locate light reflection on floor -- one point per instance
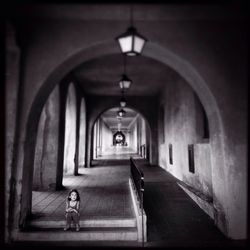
(119, 152)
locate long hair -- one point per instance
(77, 195)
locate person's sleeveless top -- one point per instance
(72, 206)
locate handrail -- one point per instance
(138, 179)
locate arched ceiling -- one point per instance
(111, 120)
(121, 11)
(101, 76)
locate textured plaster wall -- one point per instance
(134, 136)
(107, 137)
(183, 126)
(102, 138)
(45, 165)
(70, 132)
(219, 55)
(137, 136)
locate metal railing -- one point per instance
(138, 179)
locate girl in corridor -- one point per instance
(72, 209)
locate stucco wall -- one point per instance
(107, 137)
(183, 126)
(134, 136)
(45, 164)
(82, 134)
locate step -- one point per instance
(86, 223)
(85, 234)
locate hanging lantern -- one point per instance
(131, 42)
(123, 102)
(125, 82)
(121, 112)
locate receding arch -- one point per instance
(155, 51)
(104, 109)
(142, 113)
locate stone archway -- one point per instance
(160, 54)
(101, 108)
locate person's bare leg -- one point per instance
(68, 221)
(76, 221)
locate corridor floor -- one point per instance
(173, 219)
(118, 153)
(104, 192)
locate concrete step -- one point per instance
(85, 234)
(103, 222)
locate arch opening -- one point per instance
(153, 51)
(116, 137)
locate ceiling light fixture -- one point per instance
(121, 112)
(131, 42)
(123, 101)
(125, 82)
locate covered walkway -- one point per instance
(77, 105)
(173, 219)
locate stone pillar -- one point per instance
(82, 134)
(147, 142)
(78, 107)
(70, 131)
(154, 147)
(61, 133)
(46, 155)
(11, 109)
(89, 143)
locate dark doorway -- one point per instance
(119, 138)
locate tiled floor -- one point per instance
(104, 191)
(118, 152)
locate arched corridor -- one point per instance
(121, 137)
(81, 114)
